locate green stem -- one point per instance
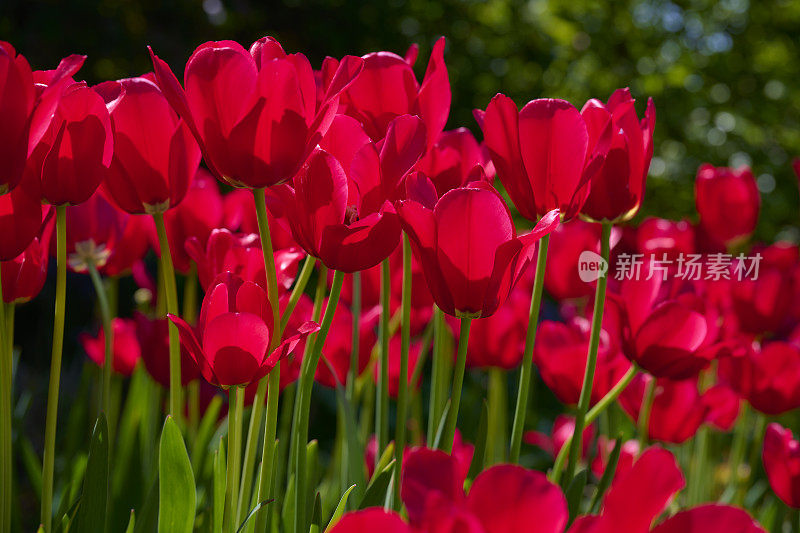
(591, 416)
(698, 476)
(402, 388)
(591, 359)
(256, 416)
(438, 376)
(526, 373)
(305, 384)
(298, 289)
(268, 474)
(235, 406)
(46, 516)
(190, 296)
(496, 432)
(108, 336)
(642, 424)
(458, 382)
(171, 293)
(382, 390)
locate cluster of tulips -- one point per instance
(342, 237)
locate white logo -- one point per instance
(591, 266)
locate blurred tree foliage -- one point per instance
(722, 74)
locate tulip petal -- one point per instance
(710, 518)
(509, 498)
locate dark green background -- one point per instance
(723, 74)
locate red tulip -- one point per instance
(567, 242)
(617, 189)
(369, 520)
(651, 482)
(100, 234)
(71, 142)
(92, 231)
(239, 209)
(665, 334)
(665, 240)
(23, 276)
(560, 355)
(502, 499)
(469, 249)
(451, 162)
(241, 255)
(234, 335)
(340, 210)
(153, 337)
(762, 304)
(253, 113)
(126, 350)
(710, 518)
(679, 408)
(17, 97)
(155, 156)
(21, 215)
(563, 429)
(388, 88)
(545, 154)
(196, 216)
(781, 456)
(768, 376)
(136, 234)
(727, 201)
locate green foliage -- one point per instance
(176, 506)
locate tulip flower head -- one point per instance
(387, 88)
(340, 208)
(71, 142)
(155, 156)
(545, 154)
(254, 114)
(126, 351)
(17, 97)
(232, 338)
(728, 202)
(466, 242)
(617, 189)
(781, 456)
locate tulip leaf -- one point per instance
(608, 475)
(312, 469)
(316, 513)
(148, 515)
(91, 514)
(383, 461)
(252, 513)
(574, 493)
(478, 456)
(376, 491)
(440, 427)
(287, 516)
(220, 480)
(176, 507)
(131, 523)
(340, 508)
